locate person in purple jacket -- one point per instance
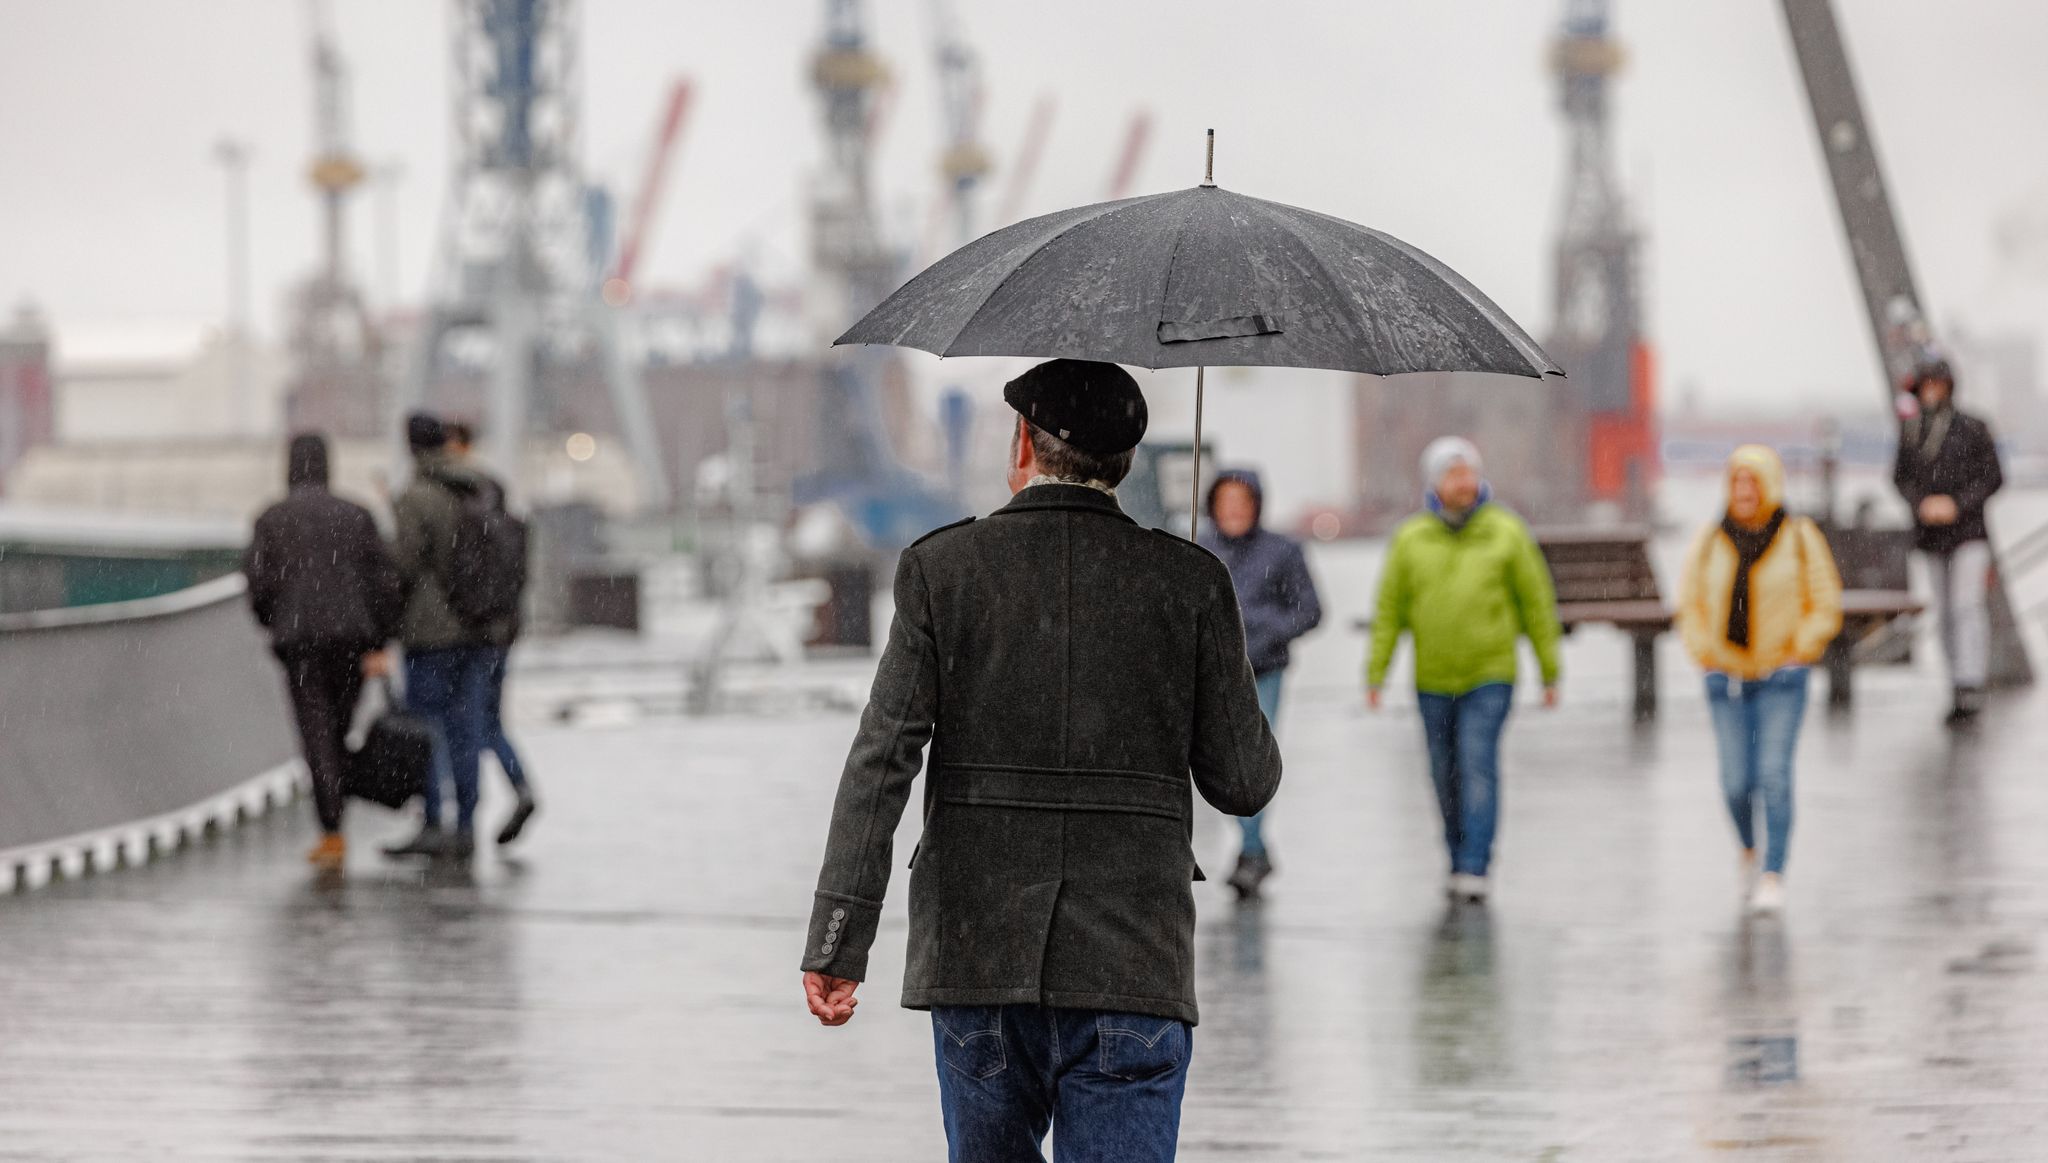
(1278, 599)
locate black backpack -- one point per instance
(487, 560)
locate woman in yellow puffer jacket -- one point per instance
(1758, 603)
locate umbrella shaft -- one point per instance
(1195, 490)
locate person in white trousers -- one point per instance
(1947, 469)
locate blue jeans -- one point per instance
(495, 740)
(1269, 702)
(1108, 1085)
(1464, 732)
(450, 689)
(1756, 723)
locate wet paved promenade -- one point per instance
(626, 988)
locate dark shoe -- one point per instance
(1250, 873)
(431, 841)
(520, 815)
(1969, 701)
(459, 846)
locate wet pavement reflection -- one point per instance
(625, 988)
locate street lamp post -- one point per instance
(233, 156)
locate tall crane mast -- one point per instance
(338, 382)
(1597, 330)
(1891, 302)
(963, 162)
(518, 265)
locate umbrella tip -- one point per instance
(1209, 167)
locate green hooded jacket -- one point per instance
(425, 515)
(1465, 595)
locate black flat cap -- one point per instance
(1096, 407)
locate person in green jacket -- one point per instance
(1465, 580)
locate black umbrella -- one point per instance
(1203, 278)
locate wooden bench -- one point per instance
(1864, 614)
(1604, 575)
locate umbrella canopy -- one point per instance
(1203, 277)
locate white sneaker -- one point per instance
(1769, 896)
(1467, 887)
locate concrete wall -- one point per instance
(127, 727)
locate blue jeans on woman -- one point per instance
(1108, 1085)
(1268, 685)
(1756, 724)
(1464, 761)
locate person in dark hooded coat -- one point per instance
(1947, 469)
(1278, 600)
(322, 583)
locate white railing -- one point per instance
(130, 728)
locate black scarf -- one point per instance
(1749, 546)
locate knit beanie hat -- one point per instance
(1442, 453)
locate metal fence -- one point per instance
(129, 728)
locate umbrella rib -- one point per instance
(1108, 209)
(1166, 284)
(1272, 211)
(1539, 361)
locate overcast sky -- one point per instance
(1435, 121)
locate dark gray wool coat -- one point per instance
(1071, 671)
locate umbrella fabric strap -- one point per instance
(1098, 486)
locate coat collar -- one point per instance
(1073, 498)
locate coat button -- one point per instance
(832, 927)
(826, 949)
(838, 914)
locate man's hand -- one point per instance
(830, 998)
(1938, 510)
(1372, 698)
(1549, 698)
(377, 664)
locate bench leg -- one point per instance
(1646, 677)
(1841, 664)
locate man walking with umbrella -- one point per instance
(1071, 671)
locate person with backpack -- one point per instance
(1759, 601)
(460, 444)
(1947, 468)
(322, 584)
(462, 560)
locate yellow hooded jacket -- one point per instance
(1795, 606)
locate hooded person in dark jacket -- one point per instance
(321, 582)
(448, 659)
(1947, 468)
(460, 445)
(1278, 600)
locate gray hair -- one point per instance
(1064, 462)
